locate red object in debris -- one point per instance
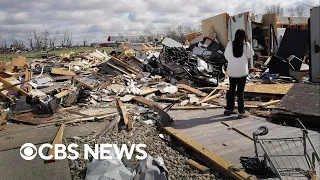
(109, 38)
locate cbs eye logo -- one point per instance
(28, 151)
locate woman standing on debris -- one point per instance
(238, 54)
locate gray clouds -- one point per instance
(97, 19)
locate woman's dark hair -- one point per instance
(237, 44)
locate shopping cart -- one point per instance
(289, 158)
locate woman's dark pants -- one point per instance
(238, 83)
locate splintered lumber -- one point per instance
(105, 84)
(212, 92)
(27, 78)
(218, 162)
(7, 97)
(197, 166)
(62, 94)
(238, 130)
(84, 83)
(129, 68)
(269, 103)
(12, 86)
(5, 66)
(209, 98)
(62, 72)
(146, 102)
(57, 140)
(123, 111)
(266, 114)
(277, 89)
(168, 99)
(130, 123)
(191, 89)
(118, 68)
(109, 127)
(194, 107)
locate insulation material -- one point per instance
(151, 168)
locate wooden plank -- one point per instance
(123, 111)
(84, 83)
(194, 107)
(128, 67)
(7, 97)
(218, 162)
(278, 89)
(62, 72)
(197, 166)
(219, 23)
(119, 69)
(27, 77)
(7, 83)
(168, 99)
(62, 94)
(18, 62)
(57, 140)
(105, 84)
(5, 66)
(130, 123)
(269, 103)
(212, 92)
(191, 89)
(148, 91)
(146, 102)
(210, 98)
(238, 130)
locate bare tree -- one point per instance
(66, 38)
(291, 11)
(300, 11)
(52, 39)
(45, 39)
(275, 8)
(84, 41)
(38, 43)
(29, 38)
(3, 42)
(17, 45)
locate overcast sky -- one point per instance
(97, 19)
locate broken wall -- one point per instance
(240, 21)
(219, 23)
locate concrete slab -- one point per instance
(13, 167)
(47, 134)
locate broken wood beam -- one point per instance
(194, 107)
(197, 166)
(123, 111)
(193, 90)
(84, 83)
(269, 103)
(129, 68)
(238, 131)
(7, 97)
(118, 68)
(12, 86)
(217, 161)
(57, 140)
(109, 127)
(266, 114)
(62, 94)
(146, 102)
(168, 99)
(206, 99)
(105, 84)
(62, 72)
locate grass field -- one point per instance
(32, 55)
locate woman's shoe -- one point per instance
(241, 116)
(228, 112)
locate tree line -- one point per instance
(298, 11)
